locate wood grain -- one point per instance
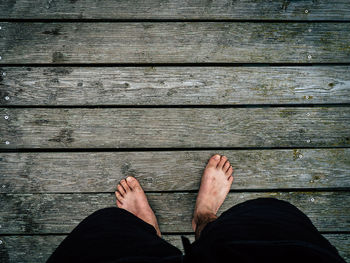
(342, 244)
(38, 248)
(179, 9)
(171, 171)
(37, 213)
(174, 127)
(182, 42)
(174, 85)
(36, 187)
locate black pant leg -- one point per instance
(263, 230)
(113, 234)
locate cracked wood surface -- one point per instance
(36, 186)
(179, 9)
(174, 85)
(37, 213)
(174, 127)
(169, 42)
(171, 170)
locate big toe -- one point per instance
(214, 160)
(133, 183)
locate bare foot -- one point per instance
(215, 185)
(131, 197)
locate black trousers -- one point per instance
(259, 230)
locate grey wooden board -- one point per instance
(37, 213)
(182, 42)
(39, 248)
(180, 9)
(342, 243)
(28, 249)
(174, 127)
(174, 85)
(174, 170)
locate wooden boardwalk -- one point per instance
(93, 91)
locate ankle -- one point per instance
(200, 220)
(203, 209)
(158, 232)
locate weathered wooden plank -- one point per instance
(37, 213)
(183, 42)
(28, 248)
(342, 244)
(174, 127)
(178, 170)
(39, 248)
(174, 85)
(180, 9)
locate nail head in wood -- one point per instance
(7, 97)
(6, 117)
(7, 142)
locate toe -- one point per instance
(119, 196)
(222, 162)
(226, 166)
(229, 171)
(119, 204)
(132, 183)
(213, 161)
(121, 189)
(230, 179)
(125, 185)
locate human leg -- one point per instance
(131, 197)
(116, 234)
(215, 184)
(263, 229)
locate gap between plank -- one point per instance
(272, 190)
(201, 64)
(159, 20)
(162, 149)
(163, 233)
(208, 106)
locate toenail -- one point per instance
(216, 157)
